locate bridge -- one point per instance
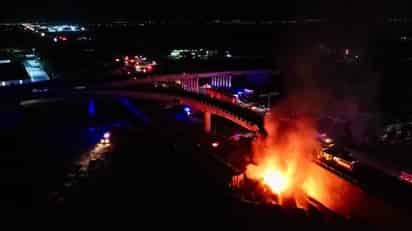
(190, 94)
(190, 81)
(241, 116)
(185, 92)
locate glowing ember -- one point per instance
(276, 181)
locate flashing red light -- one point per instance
(126, 58)
(149, 68)
(132, 60)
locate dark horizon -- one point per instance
(69, 10)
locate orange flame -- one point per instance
(275, 180)
(282, 158)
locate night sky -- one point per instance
(129, 10)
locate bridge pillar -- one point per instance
(208, 122)
(196, 85)
(183, 83)
(192, 85)
(227, 81)
(221, 81)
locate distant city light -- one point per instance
(178, 54)
(55, 39)
(117, 60)
(3, 83)
(215, 144)
(42, 34)
(347, 51)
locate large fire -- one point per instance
(282, 159)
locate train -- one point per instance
(338, 157)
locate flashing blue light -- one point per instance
(248, 90)
(239, 93)
(92, 108)
(187, 109)
(106, 135)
